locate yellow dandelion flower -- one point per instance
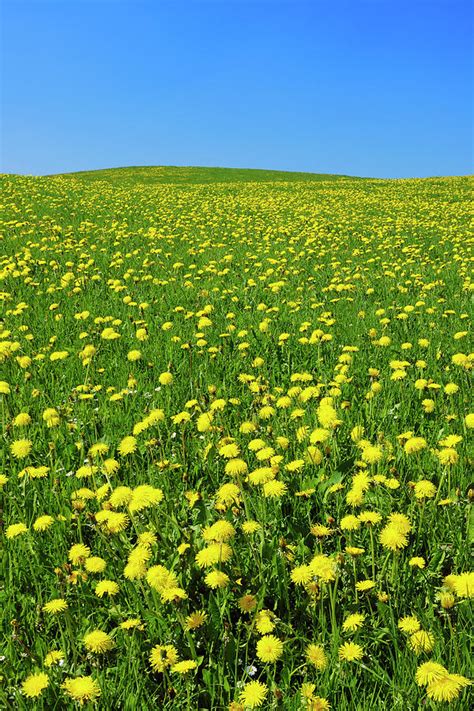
(274, 489)
(183, 667)
(353, 622)
(429, 672)
(98, 642)
(253, 694)
(53, 657)
(447, 687)
(128, 445)
(21, 448)
(316, 656)
(106, 587)
(16, 529)
(216, 579)
(264, 622)
(350, 652)
(54, 607)
(35, 684)
(421, 641)
(269, 648)
(195, 620)
(78, 553)
(82, 689)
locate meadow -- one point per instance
(237, 441)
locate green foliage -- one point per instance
(326, 316)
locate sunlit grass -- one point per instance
(236, 453)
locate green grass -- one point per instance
(171, 175)
(250, 287)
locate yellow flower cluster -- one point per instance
(237, 421)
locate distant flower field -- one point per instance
(237, 442)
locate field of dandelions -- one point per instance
(236, 451)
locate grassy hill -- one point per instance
(197, 175)
(236, 456)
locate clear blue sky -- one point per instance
(361, 87)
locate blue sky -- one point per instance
(377, 88)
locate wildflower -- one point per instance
(144, 496)
(78, 553)
(365, 585)
(21, 448)
(111, 466)
(95, 564)
(121, 496)
(446, 687)
(274, 489)
(417, 562)
(253, 694)
(394, 535)
(371, 454)
(133, 356)
(229, 451)
(319, 703)
(234, 467)
(108, 334)
(51, 417)
(53, 657)
(98, 642)
(316, 656)
(249, 527)
(321, 531)
(421, 641)
(81, 688)
(463, 585)
(450, 441)
(183, 667)
(212, 554)
(448, 456)
(447, 600)
(424, 489)
(147, 538)
(323, 567)
(350, 523)
(269, 648)
(409, 624)
(414, 445)
(350, 652)
(354, 551)
(429, 672)
(35, 684)
(353, 622)
(22, 420)
(54, 607)
(370, 517)
(42, 523)
(228, 494)
(106, 587)
(131, 623)
(163, 656)
(166, 378)
(302, 575)
(216, 579)
(195, 620)
(264, 622)
(247, 603)
(15, 529)
(204, 421)
(128, 445)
